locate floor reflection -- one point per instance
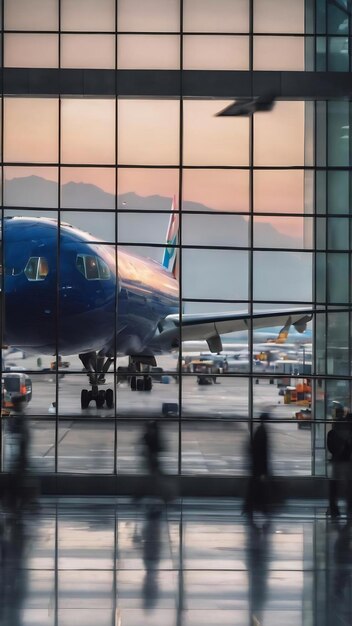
(112, 561)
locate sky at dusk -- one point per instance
(148, 134)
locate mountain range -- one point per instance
(206, 274)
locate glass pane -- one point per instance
(210, 274)
(215, 190)
(147, 189)
(212, 447)
(148, 52)
(320, 234)
(88, 51)
(338, 133)
(271, 272)
(338, 54)
(337, 355)
(279, 191)
(338, 233)
(95, 226)
(25, 50)
(148, 132)
(87, 188)
(337, 277)
(338, 192)
(215, 230)
(131, 457)
(31, 130)
(288, 399)
(289, 16)
(148, 15)
(266, 57)
(88, 131)
(143, 228)
(31, 14)
(209, 52)
(283, 131)
(92, 15)
(31, 187)
(210, 140)
(283, 232)
(220, 16)
(337, 21)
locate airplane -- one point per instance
(64, 294)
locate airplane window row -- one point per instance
(92, 267)
(37, 268)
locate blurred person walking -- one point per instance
(339, 444)
(259, 460)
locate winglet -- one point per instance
(170, 257)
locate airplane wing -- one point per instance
(210, 327)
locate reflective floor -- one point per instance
(113, 562)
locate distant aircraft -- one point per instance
(64, 294)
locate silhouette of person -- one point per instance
(152, 546)
(339, 444)
(18, 432)
(153, 445)
(257, 496)
(257, 558)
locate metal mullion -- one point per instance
(58, 249)
(180, 249)
(116, 251)
(2, 311)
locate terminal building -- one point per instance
(109, 121)
(210, 138)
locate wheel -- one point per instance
(109, 398)
(140, 384)
(100, 399)
(85, 398)
(133, 383)
(148, 383)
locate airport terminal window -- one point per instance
(92, 267)
(36, 269)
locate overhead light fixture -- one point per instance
(248, 106)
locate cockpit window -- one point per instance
(37, 268)
(92, 267)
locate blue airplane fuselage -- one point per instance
(70, 306)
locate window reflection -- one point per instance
(279, 191)
(210, 140)
(31, 187)
(148, 52)
(88, 131)
(283, 130)
(88, 51)
(289, 16)
(291, 55)
(211, 274)
(148, 15)
(148, 132)
(31, 130)
(221, 16)
(203, 52)
(215, 190)
(31, 14)
(29, 50)
(89, 15)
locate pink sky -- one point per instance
(148, 134)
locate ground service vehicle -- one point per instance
(16, 385)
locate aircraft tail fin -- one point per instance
(171, 251)
(283, 334)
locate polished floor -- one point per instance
(115, 562)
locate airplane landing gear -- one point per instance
(96, 366)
